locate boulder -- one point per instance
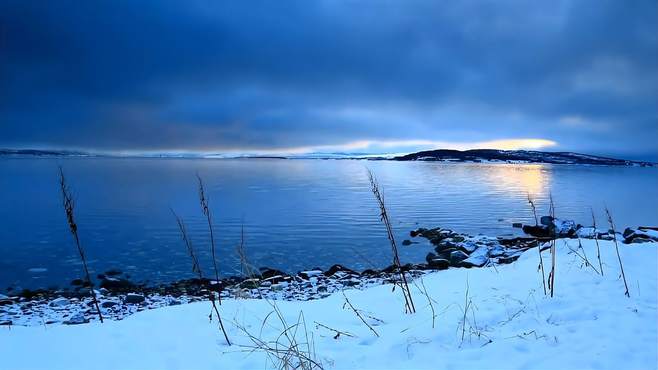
(267, 272)
(406, 242)
(438, 263)
(456, 257)
(133, 298)
(336, 268)
(59, 302)
(76, 319)
(114, 284)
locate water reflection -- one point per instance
(297, 213)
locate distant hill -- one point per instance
(516, 156)
(43, 153)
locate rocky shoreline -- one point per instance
(119, 297)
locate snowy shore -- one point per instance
(510, 324)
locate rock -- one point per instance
(640, 235)
(114, 284)
(108, 304)
(517, 225)
(6, 301)
(132, 298)
(456, 257)
(406, 242)
(76, 319)
(478, 258)
(508, 259)
(113, 272)
(5, 322)
(77, 282)
(59, 302)
(537, 231)
(563, 228)
(438, 263)
(308, 274)
(267, 272)
(336, 268)
(250, 284)
(546, 220)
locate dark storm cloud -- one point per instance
(260, 75)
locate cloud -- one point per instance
(202, 75)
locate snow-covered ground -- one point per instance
(510, 324)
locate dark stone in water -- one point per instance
(406, 242)
(517, 225)
(267, 272)
(335, 268)
(117, 284)
(113, 272)
(537, 231)
(77, 282)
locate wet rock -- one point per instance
(6, 301)
(59, 302)
(436, 262)
(517, 225)
(5, 322)
(406, 242)
(267, 272)
(456, 257)
(132, 298)
(76, 319)
(546, 220)
(114, 284)
(250, 284)
(113, 272)
(311, 273)
(108, 304)
(77, 282)
(338, 268)
(537, 231)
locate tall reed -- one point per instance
(541, 260)
(551, 275)
(203, 200)
(374, 186)
(69, 205)
(596, 240)
(614, 238)
(196, 268)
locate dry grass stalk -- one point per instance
(541, 260)
(196, 268)
(408, 300)
(358, 314)
(338, 332)
(551, 275)
(286, 351)
(69, 206)
(203, 200)
(614, 238)
(596, 239)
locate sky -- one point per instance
(330, 76)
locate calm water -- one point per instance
(297, 214)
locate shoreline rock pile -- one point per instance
(120, 297)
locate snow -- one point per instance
(511, 324)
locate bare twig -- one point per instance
(614, 238)
(359, 315)
(203, 200)
(551, 275)
(541, 260)
(374, 185)
(69, 205)
(596, 239)
(196, 268)
(338, 332)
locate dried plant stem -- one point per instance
(359, 315)
(69, 206)
(541, 260)
(196, 268)
(614, 238)
(551, 275)
(203, 200)
(596, 239)
(374, 185)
